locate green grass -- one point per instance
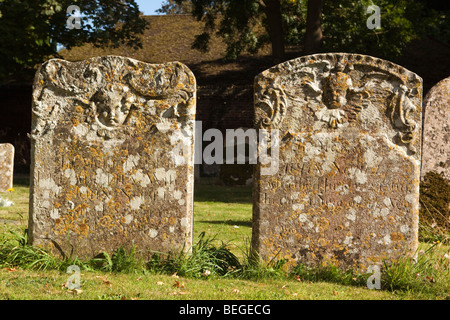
(224, 212)
(218, 268)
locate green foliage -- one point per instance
(32, 30)
(204, 259)
(175, 7)
(14, 251)
(244, 28)
(429, 271)
(243, 25)
(344, 27)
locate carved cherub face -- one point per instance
(113, 104)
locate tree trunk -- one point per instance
(313, 37)
(273, 12)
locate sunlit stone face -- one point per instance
(113, 104)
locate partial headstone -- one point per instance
(6, 166)
(347, 187)
(112, 156)
(436, 130)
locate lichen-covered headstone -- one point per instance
(347, 187)
(6, 166)
(436, 130)
(112, 156)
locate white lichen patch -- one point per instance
(136, 202)
(177, 194)
(357, 175)
(80, 129)
(168, 176)
(161, 192)
(411, 198)
(343, 190)
(404, 229)
(371, 159)
(387, 202)
(184, 222)
(348, 240)
(303, 217)
(50, 185)
(385, 240)
(153, 233)
(142, 178)
(131, 162)
(351, 214)
(54, 214)
(128, 218)
(83, 190)
(70, 174)
(384, 212)
(103, 179)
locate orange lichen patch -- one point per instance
(322, 242)
(84, 229)
(396, 236)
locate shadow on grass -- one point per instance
(229, 222)
(220, 193)
(21, 179)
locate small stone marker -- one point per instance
(112, 156)
(436, 130)
(6, 166)
(347, 188)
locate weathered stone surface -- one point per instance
(436, 130)
(347, 187)
(6, 166)
(112, 156)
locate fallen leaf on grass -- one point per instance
(104, 280)
(75, 291)
(11, 269)
(206, 273)
(177, 284)
(159, 283)
(335, 292)
(235, 291)
(177, 293)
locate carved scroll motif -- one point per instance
(95, 90)
(274, 103)
(400, 109)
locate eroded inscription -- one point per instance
(104, 171)
(346, 192)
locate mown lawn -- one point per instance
(223, 213)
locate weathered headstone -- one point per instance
(112, 156)
(347, 187)
(436, 130)
(6, 166)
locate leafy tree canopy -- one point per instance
(32, 30)
(246, 26)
